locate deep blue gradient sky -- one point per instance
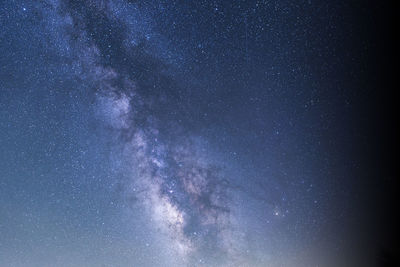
(191, 133)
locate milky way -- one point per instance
(185, 194)
(192, 133)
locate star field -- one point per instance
(186, 133)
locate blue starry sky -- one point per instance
(189, 133)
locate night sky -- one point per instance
(196, 133)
